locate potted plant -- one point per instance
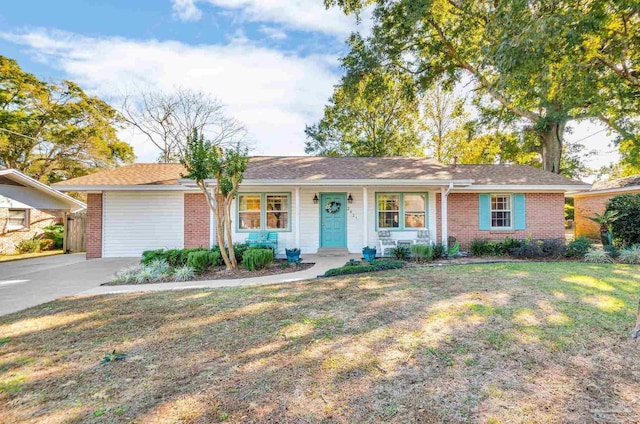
(605, 220)
(293, 255)
(369, 253)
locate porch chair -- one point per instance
(386, 242)
(423, 237)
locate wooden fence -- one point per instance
(75, 232)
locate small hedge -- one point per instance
(378, 265)
(254, 259)
(202, 260)
(178, 257)
(28, 246)
(626, 227)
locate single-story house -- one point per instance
(27, 206)
(318, 203)
(588, 203)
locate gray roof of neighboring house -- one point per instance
(625, 182)
(310, 168)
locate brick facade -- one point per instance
(38, 220)
(94, 226)
(588, 206)
(545, 218)
(197, 221)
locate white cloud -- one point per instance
(273, 33)
(274, 93)
(186, 10)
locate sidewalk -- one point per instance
(322, 264)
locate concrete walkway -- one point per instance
(322, 264)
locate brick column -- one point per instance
(196, 221)
(94, 226)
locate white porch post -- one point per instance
(296, 222)
(365, 216)
(443, 213)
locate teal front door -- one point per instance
(333, 220)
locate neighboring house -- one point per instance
(27, 206)
(588, 203)
(324, 203)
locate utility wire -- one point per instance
(591, 135)
(21, 135)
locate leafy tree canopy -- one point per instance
(55, 131)
(540, 62)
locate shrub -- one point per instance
(175, 257)
(626, 227)
(28, 246)
(598, 256)
(378, 265)
(401, 253)
(201, 260)
(630, 255)
(184, 273)
(160, 268)
(146, 274)
(440, 251)
(127, 275)
(46, 244)
(539, 249)
(422, 252)
(612, 251)
(254, 259)
(55, 233)
(239, 249)
(150, 255)
(481, 247)
(578, 247)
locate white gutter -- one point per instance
(444, 207)
(99, 188)
(608, 191)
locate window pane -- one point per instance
(501, 203)
(389, 202)
(414, 202)
(249, 220)
(277, 220)
(17, 219)
(249, 202)
(500, 219)
(388, 220)
(278, 203)
(414, 220)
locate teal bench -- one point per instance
(263, 238)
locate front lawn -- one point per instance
(516, 342)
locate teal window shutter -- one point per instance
(484, 212)
(519, 212)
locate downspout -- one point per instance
(444, 213)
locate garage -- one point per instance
(136, 221)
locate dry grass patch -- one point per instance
(517, 342)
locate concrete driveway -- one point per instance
(30, 282)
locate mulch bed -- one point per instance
(278, 267)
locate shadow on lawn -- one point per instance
(513, 342)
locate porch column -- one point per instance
(296, 222)
(443, 213)
(365, 216)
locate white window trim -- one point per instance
(18, 227)
(510, 210)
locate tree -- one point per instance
(207, 160)
(527, 57)
(444, 122)
(55, 131)
(168, 119)
(373, 115)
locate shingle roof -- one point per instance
(309, 168)
(633, 180)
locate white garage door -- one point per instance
(137, 221)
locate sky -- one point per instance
(273, 63)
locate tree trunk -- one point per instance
(227, 223)
(220, 217)
(552, 140)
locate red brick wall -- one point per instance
(588, 206)
(196, 221)
(545, 218)
(94, 225)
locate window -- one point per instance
(415, 206)
(402, 210)
(277, 211)
(18, 219)
(501, 211)
(264, 211)
(389, 211)
(249, 211)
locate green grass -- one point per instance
(514, 342)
